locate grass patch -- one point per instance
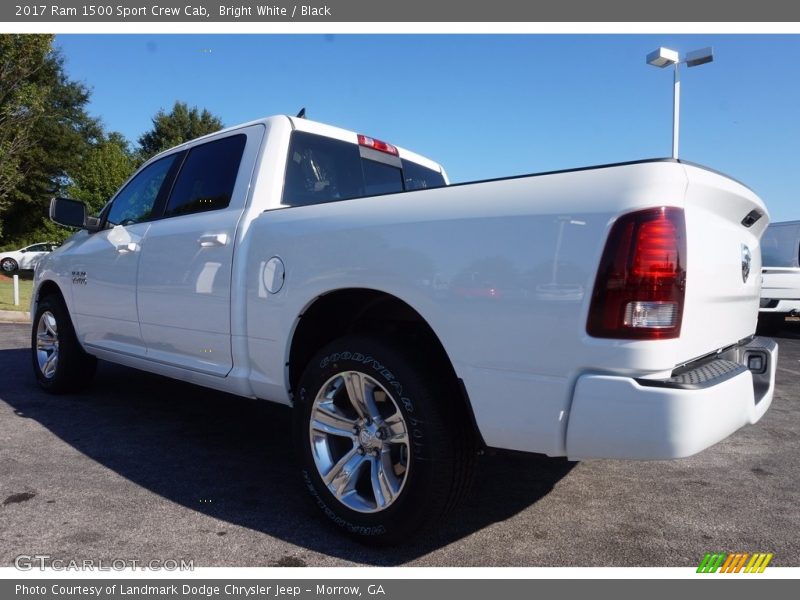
(7, 291)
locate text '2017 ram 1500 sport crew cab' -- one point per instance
(600, 312)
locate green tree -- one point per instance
(22, 102)
(59, 138)
(104, 169)
(180, 125)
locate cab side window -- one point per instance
(135, 202)
(207, 177)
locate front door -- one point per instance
(104, 265)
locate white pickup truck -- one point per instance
(598, 312)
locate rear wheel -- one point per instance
(59, 362)
(383, 451)
(8, 265)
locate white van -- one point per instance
(780, 287)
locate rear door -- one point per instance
(184, 279)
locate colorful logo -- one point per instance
(743, 562)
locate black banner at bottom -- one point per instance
(394, 589)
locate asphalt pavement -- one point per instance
(139, 467)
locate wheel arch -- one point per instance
(372, 312)
(48, 287)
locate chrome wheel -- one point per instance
(9, 265)
(359, 441)
(47, 344)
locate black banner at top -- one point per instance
(337, 11)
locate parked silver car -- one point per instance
(25, 258)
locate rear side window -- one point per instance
(321, 169)
(206, 180)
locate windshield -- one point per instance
(780, 245)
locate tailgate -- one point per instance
(724, 223)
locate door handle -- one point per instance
(213, 239)
(127, 248)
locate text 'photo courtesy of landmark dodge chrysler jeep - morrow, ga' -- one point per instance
(604, 312)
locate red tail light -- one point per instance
(640, 287)
(378, 145)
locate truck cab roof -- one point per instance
(315, 127)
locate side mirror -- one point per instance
(71, 213)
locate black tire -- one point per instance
(73, 368)
(439, 455)
(9, 265)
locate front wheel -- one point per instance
(8, 265)
(383, 450)
(59, 362)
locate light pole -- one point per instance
(664, 57)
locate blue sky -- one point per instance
(482, 105)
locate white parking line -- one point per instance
(789, 371)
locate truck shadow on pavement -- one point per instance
(789, 330)
(231, 458)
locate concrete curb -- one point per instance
(14, 316)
